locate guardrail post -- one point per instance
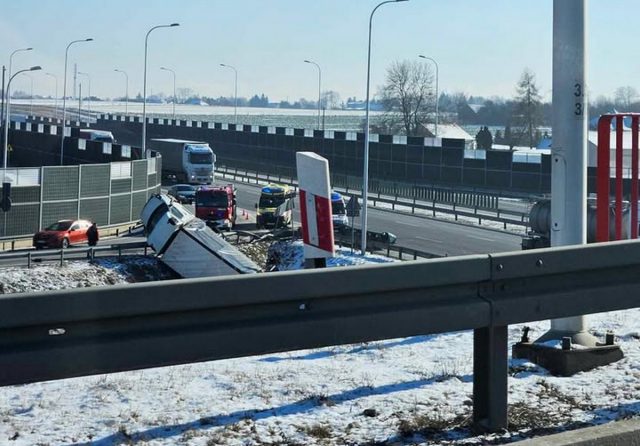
(490, 369)
(119, 253)
(413, 207)
(61, 256)
(455, 214)
(29, 260)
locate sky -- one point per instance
(482, 47)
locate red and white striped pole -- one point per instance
(315, 208)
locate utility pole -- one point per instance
(4, 100)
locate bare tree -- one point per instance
(625, 97)
(528, 106)
(330, 99)
(408, 97)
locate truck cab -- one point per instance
(216, 205)
(184, 160)
(274, 210)
(165, 216)
(338, 210)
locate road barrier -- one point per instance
(68, 333)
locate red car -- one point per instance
(62, 234)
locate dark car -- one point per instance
(62, 234)
(183, 193)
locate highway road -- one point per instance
(443, 238)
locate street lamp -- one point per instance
(365, 174)
(235, 94)
(6, 117)
(126, 90)
(5, 91)
(174, 89)
(55, 97)
(319, 84)
(89, 101)
(64, 95)
(144, 87)
(30, 94)
(437, 97)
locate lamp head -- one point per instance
(175, 24)
(222, 65)
(307, 61)
(28, 49)
(90, 39)
(36, 68)
(397, 1)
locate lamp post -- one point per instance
(365, 173)
(89, 79)
(5, 91)
(437, 97)
(30, 93)
(55, 97)
(319, 85)
(64, 95)
(144, 87)
(126, 90)
(235, 94)
(174, 89)
(6, 118)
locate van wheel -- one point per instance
(65, 243)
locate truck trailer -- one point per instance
(185, 161)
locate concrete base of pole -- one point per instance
(585, 353)
(560, 362)
(315, 263)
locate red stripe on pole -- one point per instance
(619, 162)
(603, 174)
(303, 216)
(634, 176)
(325, 223)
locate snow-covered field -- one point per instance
(407, 391)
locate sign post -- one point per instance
(315, 208)
(353, 210)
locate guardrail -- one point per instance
(69, 333)
(64, 254)
(460, 203)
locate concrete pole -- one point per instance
(569, 150)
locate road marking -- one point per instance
(486, 239)
(407, 224)
(428, 239)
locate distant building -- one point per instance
(450, 131)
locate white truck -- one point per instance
(187, 245)
(185, 161)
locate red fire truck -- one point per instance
(217, 206)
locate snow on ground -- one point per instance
(415, 390)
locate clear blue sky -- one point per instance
(482, 46)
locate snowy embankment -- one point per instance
(407, 391)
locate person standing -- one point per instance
(92, 234)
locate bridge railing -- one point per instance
(69, 333)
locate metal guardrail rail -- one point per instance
(69, 253)
(481, 206)
(62, 334)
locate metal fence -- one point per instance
(108, 194)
